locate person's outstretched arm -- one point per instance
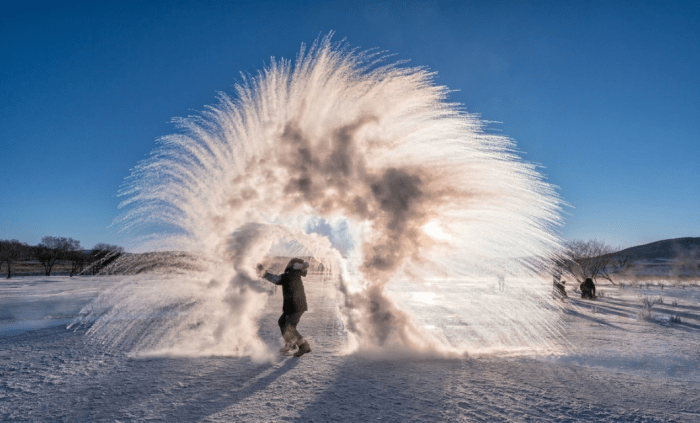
(276, 279)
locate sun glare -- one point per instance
(435, 230)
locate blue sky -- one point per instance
(605, 96)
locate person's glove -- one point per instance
(261, 270)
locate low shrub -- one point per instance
(647, 304)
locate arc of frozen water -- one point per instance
(342, 135)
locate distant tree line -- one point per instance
(52, 250)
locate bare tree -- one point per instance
(77, 259)
(11, 251)
(620, 263)
(47, 257)
(52, 248)
(102, 255)
(60, 243)
(586, 259)
(107, 248)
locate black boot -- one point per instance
(303, 349)
(287, 348)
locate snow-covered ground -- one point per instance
(618, 364)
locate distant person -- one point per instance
(294, 304)
(587, 289)
(560, 290)
(501, 283)
(556, 276)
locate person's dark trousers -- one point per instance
(288, 326)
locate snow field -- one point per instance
(612, 366)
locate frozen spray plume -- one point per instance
(428, 200)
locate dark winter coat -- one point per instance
(560, 290)
(587, 288)
(292, 291)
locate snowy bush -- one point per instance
(675, 319)
(647, 304)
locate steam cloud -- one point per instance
(343, 136)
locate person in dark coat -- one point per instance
(559, 286)
(560, 290)
(587, 289)
(294, 303)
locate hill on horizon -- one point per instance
(666, 249)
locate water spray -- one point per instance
(433, 210)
